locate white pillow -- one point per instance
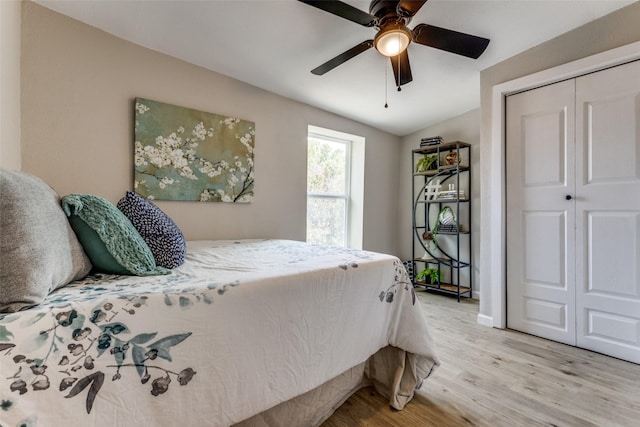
(39, 252)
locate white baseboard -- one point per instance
(485, 320)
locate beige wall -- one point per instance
(614, 30)
(10, 12)
(466, 128)
(78, 87)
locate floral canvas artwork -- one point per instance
(191, 155)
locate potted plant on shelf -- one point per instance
(430, 275)
(427, 163)
(445, 222)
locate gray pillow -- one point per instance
(39, 251)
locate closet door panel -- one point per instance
(540, 221)
(544, 139)
(608, 211)
(610, 135)
(618, 276)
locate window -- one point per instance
(328, 188)
(335, 187)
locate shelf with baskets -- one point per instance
(441, 186)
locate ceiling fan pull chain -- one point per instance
(386, 104)
(399, 74)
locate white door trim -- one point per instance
(494, 177)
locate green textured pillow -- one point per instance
(38, 250)
(108, 237)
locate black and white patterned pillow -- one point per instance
(161, 234)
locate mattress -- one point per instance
(239, 329)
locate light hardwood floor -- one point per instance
(492, 377)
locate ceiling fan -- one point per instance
(391, 19)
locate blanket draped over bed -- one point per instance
(240, 328)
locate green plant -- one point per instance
(434, 274)
(436, 226)
(426, 163)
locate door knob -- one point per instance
(568, 197)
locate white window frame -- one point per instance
(347, 191)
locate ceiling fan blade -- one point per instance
(449, 40)
(343, 57)
(401, 68)
(343, 10)
(409, 8)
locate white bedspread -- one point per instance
(239, 328)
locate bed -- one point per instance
(248, 332)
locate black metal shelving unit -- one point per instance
(446, 254)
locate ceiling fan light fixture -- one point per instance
(392, 40)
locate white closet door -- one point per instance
(540, 221)
(608, 211)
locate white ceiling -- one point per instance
(273, 44)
